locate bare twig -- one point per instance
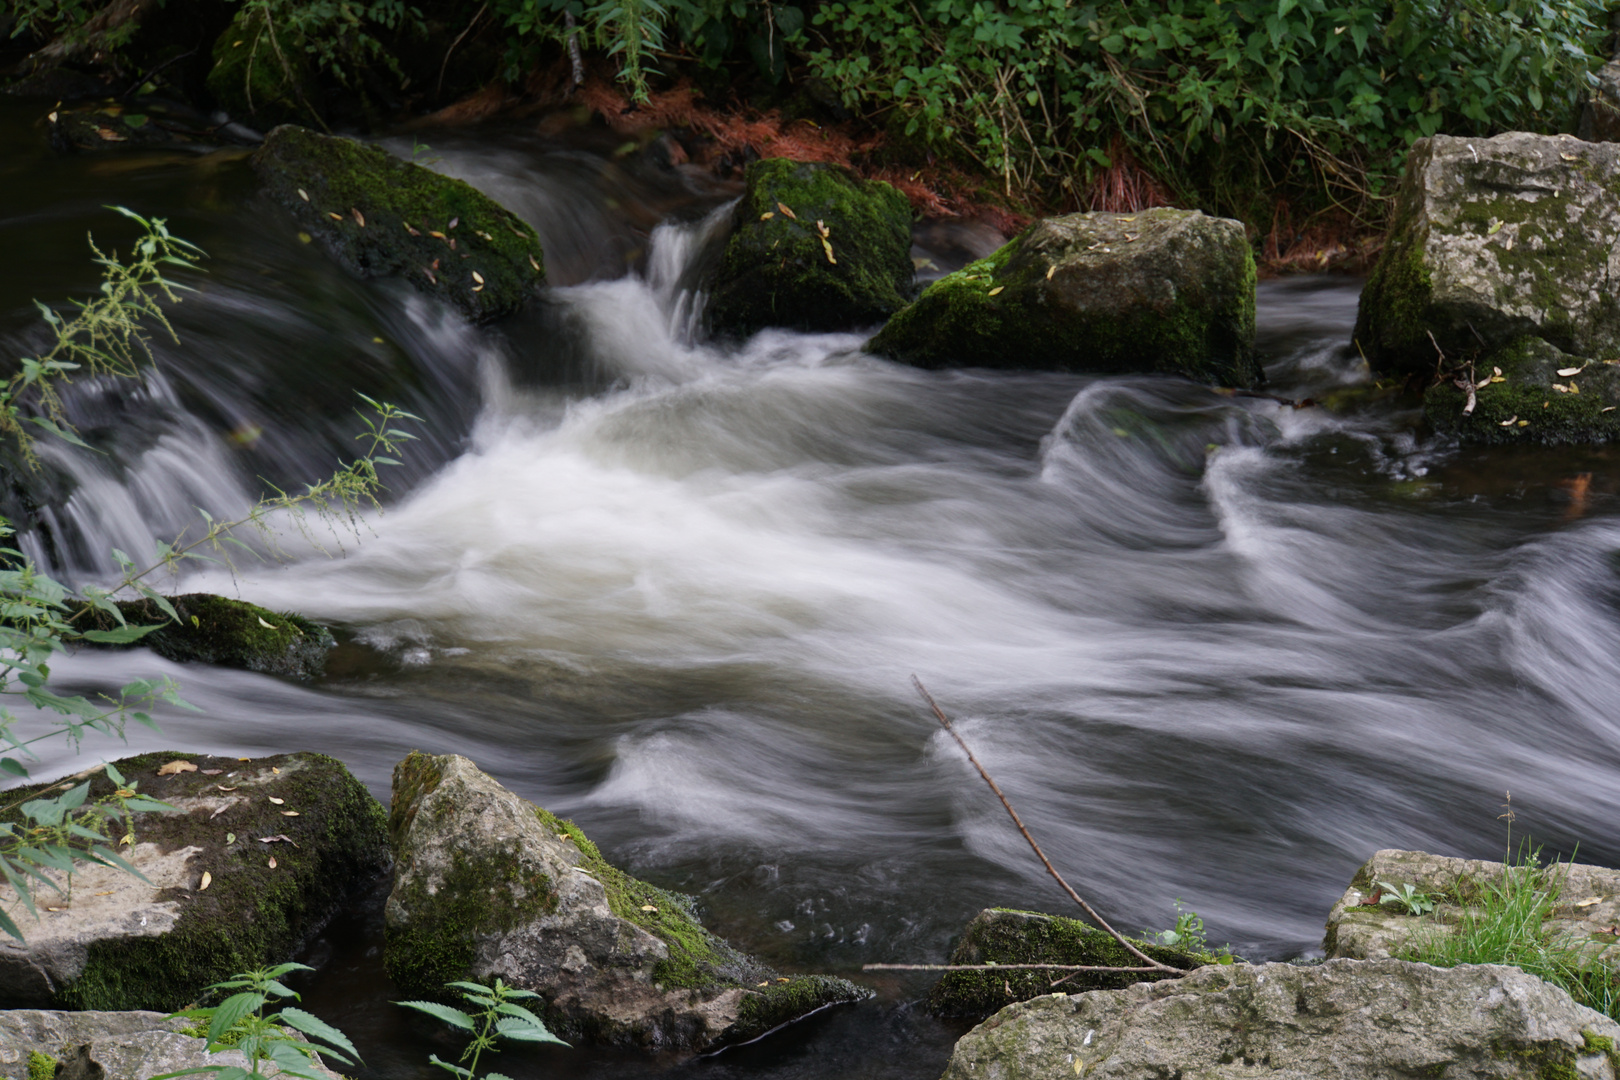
(443, 67)
(1091, 913)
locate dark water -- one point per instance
(1215, 648)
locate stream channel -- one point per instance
(1214, 648)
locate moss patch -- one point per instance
(1008, 936)
(775, 270)
(1064, 296)
(261, 77)
(251, 915)
(382, 216)
(1532, 403)
(233, 633)
(41, 1066)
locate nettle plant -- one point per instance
(44, 838)
(497, 1015)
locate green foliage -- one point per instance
(1407, 898)
(1504, 922)
(340, 36)
(498, 1016)
(240, 1023)
(1188, 935)
(1325, 95)
(41, 1066)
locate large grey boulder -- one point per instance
(1008, 936)
(490, 885)
(116, 942)
(1499, 270)
(122, 1045)
(1361, 929)
(381, 216)
(1161, 290)
(812, 247)
(1342, 1020)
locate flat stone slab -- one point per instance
(1341, 1020)
(123, 1045)
(116, 942)
(1587, 915)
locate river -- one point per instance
(1215, 649)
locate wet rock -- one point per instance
(232, 633)
(812, 247)
(1005, 936)
(1357, 930)
(1163, 290)
(117, 942)
(1501, 254)
(37, 1045)
(58, 84)
(381, 216)
(263, 77)
(490, 885)
(1342, 1020)
(1600, 116)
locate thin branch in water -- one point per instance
(1075, 968)
(1091, 913)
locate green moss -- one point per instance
(1009, 936)
(1525, 406)
(262, 78)
(41, 1066)
(775, 270)
(1393, 317)
(233, 633)
(251, 915)
(1005, 311)
(1549, 1060)
(379, 215)
(415, 778)
(477, 897)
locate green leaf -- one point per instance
(231, 1011)
(124, 635)
(523, 1031)
(320, 1029)
(453, 1017)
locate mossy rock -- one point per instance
(1490, 241)
(1529, 401)
(812, 247)
(381, 216)
(116, 942)
(231, 633)
(1009, 936)
(489, 885)
(262, 75)
(1161, 291)
(103, 127)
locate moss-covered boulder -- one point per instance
(1342, 1020)
(1163, 290)
(489, 885)
(219, 630)
(262, 74)
(1007, 936)
(1499, 271)
(812, 247)
(381, 216)
(259, 857)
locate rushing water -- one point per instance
(1215, 648)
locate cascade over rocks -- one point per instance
(381, 216)
(1006, 936)
(1364, 931)
(812, 247)
(231, 633)
(1342, 1020)
(1503, 254)
(105, 1046)
(1162, 290)
(490, 885)
(118, 942)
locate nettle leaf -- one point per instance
(454, 1017)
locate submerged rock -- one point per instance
(1005, 936)
(1501, 256)
(117, 942)
(1360, 930)
(38, 1045)
(1168, 291)
(382, 216)
(812, 247)
(262, 76)
(490, 885)
(233, 633)
(1342, 1020)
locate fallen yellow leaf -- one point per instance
(995, 290)
(648, 907)
(277, 801)
(275, 770)
(1509, 421)
(1566, 372)
(767, 215)
(207, 880)
(268, 626)
(107, 892)
(360, 219)
(289, 813)
(786, 212)
(302, 194)
(176, 766)
(334, 217)
(478, 277)
(1050, 270)
(1589, 901)
(272, 862)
